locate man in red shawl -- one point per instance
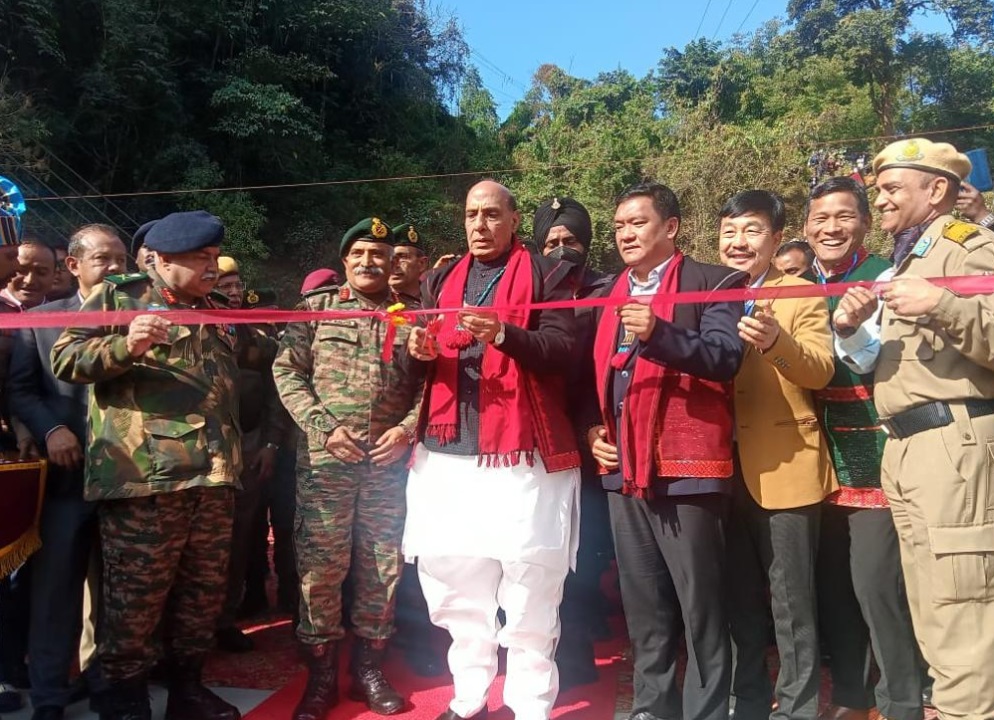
(662, 435)
(492, 495)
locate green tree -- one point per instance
(872, 39)
(476, 105)
(587, 140)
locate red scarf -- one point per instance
(506, 428)
(641, 407)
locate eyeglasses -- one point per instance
(232, 287)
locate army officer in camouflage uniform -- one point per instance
(357, 414)
(163, 458)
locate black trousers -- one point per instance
(15, 615)
(671, 565)
(862, 603)
(775, 549)
(277, 506)
(59, 568)
(584, 608)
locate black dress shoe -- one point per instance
(233, 640)
(425, 663)
(449, 715)
(48, 712)
(10, 698)
(642, 715)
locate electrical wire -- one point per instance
(742, 24)
(465, 173)
(721, 20)
(697, 32)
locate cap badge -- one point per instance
(252, 298)
(378, 229)
(556, 204)
(412, 234)
(911, 152)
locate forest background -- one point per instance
(109, 98)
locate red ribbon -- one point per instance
(961, 285)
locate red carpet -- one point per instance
(430, 697)
(272, 664)
(275, 665)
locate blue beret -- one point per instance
(139, 237)
(182, 232)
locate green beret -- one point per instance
(261, 297)
(372, 229)
(406, 236)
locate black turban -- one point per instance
(562, 211)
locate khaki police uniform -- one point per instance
(934, 389)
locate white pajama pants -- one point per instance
(463, 595)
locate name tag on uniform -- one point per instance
(922, 246)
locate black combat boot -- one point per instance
(189, 699)
(126, 700)
(368, 683)
(321, 693)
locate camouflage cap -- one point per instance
(924, 155)
(372, 229)
(226, 266)
(406, 236)
(261, 297)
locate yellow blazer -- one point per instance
(783, 452)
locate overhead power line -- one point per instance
(697, 32)
(442, 176)
(506, 77)
(742, 24)
(722, 19)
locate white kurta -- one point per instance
(456, 507)
(490, 537)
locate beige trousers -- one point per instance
(91, 610)
(940, 484)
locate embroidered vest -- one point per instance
(846, 409)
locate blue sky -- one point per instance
(510, 39)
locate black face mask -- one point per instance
(568, 254)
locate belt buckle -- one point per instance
(890, 429)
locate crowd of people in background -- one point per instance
(784, 468)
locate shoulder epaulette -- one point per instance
(126, 279)
(320, 290)
(959, 232)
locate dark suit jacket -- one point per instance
(543, 348)
(702, 340)
(547, 344)
(41, 401)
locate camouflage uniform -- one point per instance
(163, 456)
(330, 374)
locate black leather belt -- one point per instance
(930, 416)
